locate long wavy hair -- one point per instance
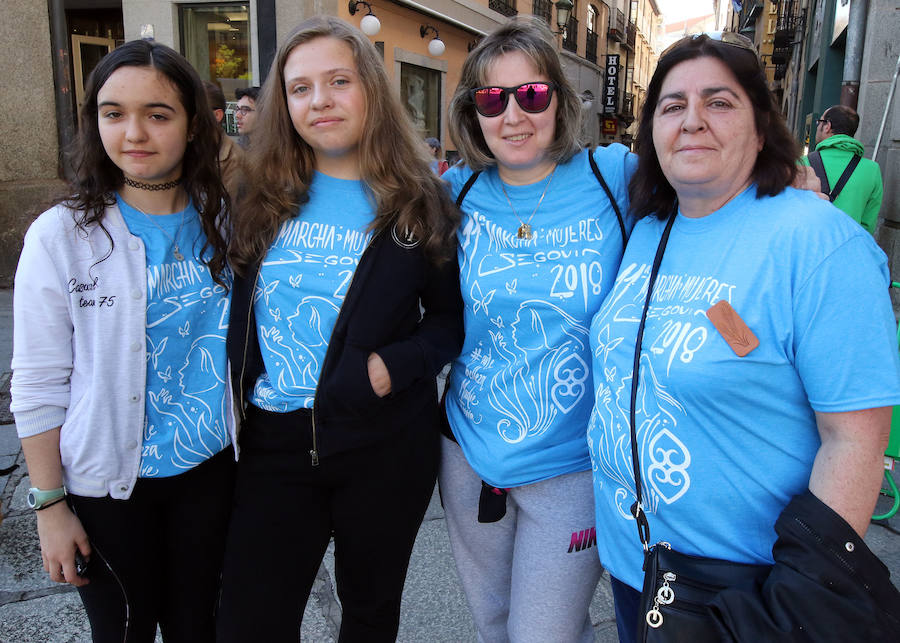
(97, 178)
(776, 164)
(393, 159)
(531, 37)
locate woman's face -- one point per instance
(142, 123)
(327, 104)
(705, 134)
(517, 139)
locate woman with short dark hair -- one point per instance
(758, 377)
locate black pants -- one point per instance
(157, 556)
(371, 500)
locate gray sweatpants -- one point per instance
(530, 576)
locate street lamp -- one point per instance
(370, 24)
(436, 45)
(563, 12)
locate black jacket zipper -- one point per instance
(314, 452)
(247, 343)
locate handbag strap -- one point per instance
(609, 195)
(637, 509)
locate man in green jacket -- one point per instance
(861, 195)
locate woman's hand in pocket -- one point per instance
(378, 375)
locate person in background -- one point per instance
(245, 112)
(438, 164)
(860, 196)
(539, 246)
(346, 307)
(759, 379)
(230, 153)
(119, 366)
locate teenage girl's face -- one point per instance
(143, 125)
(517, 139)
(327, 104)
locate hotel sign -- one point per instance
(611, 88)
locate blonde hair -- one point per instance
(393, 162)
(531, 37)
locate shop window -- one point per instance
(216, 39)
(420, 89)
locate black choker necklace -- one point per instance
(153, 187)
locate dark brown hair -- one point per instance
(393, 161)
(775, 165)
(843, 119)
(96, 177)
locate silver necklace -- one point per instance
(524, 231)
(176, 251)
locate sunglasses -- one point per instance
(533, 98)
(726, 37)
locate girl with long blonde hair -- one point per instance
(346, 307)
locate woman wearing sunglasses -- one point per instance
(539, 245)
(759, 380)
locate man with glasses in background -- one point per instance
(245, 112)
(851, 182)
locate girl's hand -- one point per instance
(378, 375)
(61, 534)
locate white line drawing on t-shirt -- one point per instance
(544, 374)
(299, 366)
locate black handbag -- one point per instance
(826, 585)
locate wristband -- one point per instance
(41, 498)
(49, 504)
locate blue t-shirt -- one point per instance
(519, 393)
(725, 441)
(187, 320)
(302, 284)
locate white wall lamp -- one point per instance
(436, 46)
(563, 12)
(370, 24)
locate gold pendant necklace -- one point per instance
(176, 251)
(524, 231)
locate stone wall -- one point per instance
(28, 140)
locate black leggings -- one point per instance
(371, 500)
(157, 556)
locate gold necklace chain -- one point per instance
(524, 231)
(176, 251)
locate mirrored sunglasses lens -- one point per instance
(490, 101)
(533, 97)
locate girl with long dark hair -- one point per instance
(119, 368)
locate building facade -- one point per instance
(829, 52)
(51, 47)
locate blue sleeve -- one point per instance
(844, 331)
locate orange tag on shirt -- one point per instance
(732, 328)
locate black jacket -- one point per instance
(826, 585)
(399, 305)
